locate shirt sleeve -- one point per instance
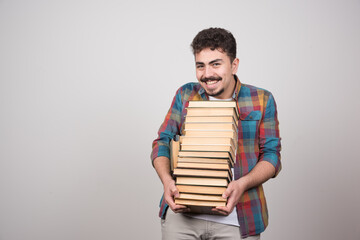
(269, 137)
(168, 129)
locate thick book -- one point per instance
(211, 119)
(200, 181)
(210, 141)
(210, 154)
(215, 148)
(211, 127)
(195, 112)
(201, 197)
(202, 160)
(174, 152)
(201, 189)
(207, 154)
(214, 104)
(188, 202)
(202, 173)
(202, 209)
(210, 133)
(209, 166)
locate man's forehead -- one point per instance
(207, 55)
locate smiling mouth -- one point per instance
(211, 80)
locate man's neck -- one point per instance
(211, 98)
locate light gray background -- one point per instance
(85, 85)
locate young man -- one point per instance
(258, 152)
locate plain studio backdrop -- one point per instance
(85, 85)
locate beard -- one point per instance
(213, 93)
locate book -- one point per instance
(218, 148)
(207, 155)
(211, 119)
(174, 152)
(205, 133)
(201, 197)
(199, 181)
(204, 160)
(203, 166)
(209, 166)
(210, 127)
(194, 112)
(203, 209)
(188, 202)
(213, 141)
(214, 104)
(202, 173)
(201, 189)
(200, 154)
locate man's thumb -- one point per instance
(226, 194)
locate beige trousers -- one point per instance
(177, 226)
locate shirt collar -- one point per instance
(237, 88)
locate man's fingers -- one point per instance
(174, 191)
(221, 210)
(228, 190)
(230, 203)
(170, 202)
(180, 208)
(169, 199)
(226, 193)
(174, 207)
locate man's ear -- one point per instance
(234, 66)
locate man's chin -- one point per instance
(214, 93)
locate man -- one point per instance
(258, 154)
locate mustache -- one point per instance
(210, 79)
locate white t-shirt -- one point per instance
(231, 219)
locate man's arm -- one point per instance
(161, 152)
(262, 172)
(162, 167)
(268, 165)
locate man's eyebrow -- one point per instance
(216, 60)
(211, 62)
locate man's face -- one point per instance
(215, 71)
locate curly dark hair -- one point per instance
(215, 38)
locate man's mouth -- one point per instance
(211, 80)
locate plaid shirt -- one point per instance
(258, 140)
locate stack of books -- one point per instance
(203, 156)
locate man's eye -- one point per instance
(216, 64)
(199, 66)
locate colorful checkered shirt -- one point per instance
(258, 139)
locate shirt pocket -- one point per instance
(249, 124)
(248, 136)
(250, 116)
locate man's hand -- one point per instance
(260, 174)
(171, 191)
(162, 166)
(233, 194)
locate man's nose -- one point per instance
(208, 72)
